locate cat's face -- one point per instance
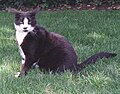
(24, 21)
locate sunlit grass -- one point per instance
(88, 31)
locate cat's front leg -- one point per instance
(24, 68)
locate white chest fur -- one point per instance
(20, 37)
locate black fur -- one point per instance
(54, 52)
(51, 51)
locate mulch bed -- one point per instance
(87, 7)
(75, 7)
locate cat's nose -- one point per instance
(25, 28)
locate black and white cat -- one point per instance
(50, 51)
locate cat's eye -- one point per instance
(21, 22)
(29, 22)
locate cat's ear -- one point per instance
(12, 10)
(34, 11)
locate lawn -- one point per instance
(88, 31)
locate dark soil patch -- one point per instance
(87, 7)
(75, 7)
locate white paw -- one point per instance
(17, 75)
(35, 65)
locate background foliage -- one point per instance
(53, 3)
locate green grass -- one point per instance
(88, 31)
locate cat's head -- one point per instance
(24, 21)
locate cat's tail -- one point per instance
(93, 59)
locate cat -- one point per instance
(49, 50)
